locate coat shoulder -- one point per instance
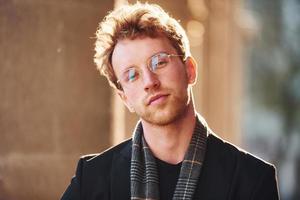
(239, 173)
(122, 149)
(242, 157)
(92, 179)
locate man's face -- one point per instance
(159, 96)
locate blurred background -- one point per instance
(54, 106)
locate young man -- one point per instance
(145, 55)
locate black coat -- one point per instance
(227, 173)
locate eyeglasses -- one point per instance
(154, 64)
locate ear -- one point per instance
(125, 100)
(191, 69)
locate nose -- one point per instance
(150, 80)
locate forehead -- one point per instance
(129, 52)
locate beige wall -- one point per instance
(54, 107)
(221, 78)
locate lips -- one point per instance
(156, 98)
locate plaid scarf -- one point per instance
(143, 172)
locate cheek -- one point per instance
(178, 78)
(134, 97)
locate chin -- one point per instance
(166, 115)
(162, 120)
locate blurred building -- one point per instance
(54, 106)
(271, 127)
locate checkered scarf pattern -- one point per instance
(143, 172)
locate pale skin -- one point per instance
(163, 101)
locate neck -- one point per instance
(170, 142)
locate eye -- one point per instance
(158, 61)
(132, 75)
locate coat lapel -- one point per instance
(219, 168)
(120, 173)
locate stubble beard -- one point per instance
(165, 114)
